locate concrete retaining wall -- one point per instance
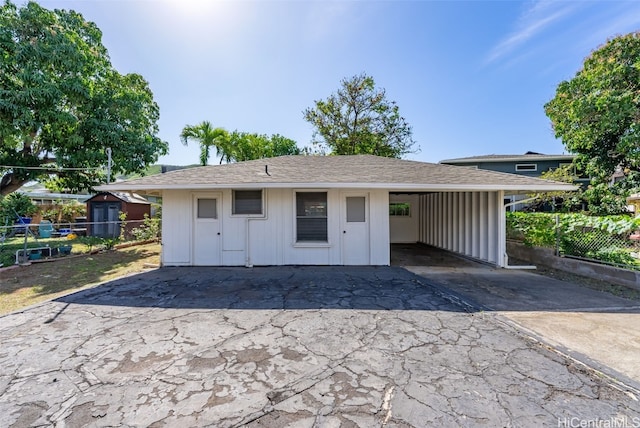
(546, 257)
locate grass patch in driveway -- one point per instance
(23, 286)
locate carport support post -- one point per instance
(502, 232)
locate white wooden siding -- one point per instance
(379, 223)
(469, 223)
(177, 227)
(270, 239)
(405, 229)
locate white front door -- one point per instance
(355, 229)
(207, 210)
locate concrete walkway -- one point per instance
(593, 326)
(285, 346)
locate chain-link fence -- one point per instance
(26, 240)
(599, 245)
(610, 241)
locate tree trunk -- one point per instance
(9, 184)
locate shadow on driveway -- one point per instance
(282, 287)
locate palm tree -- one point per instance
(206, 135)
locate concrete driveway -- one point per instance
(285, 346)
(597, 328)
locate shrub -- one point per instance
(614, 255)
(150, 229)
(16, 204)
(534, 229)
(599, 238)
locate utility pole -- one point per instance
(108, 165)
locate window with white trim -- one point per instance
(207, 208)
(526, 167)
(247, 202)
(311, 217)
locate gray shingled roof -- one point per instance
(508, 158)
(361, 171)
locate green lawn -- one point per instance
(25, 285)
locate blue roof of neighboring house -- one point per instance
(529, 156)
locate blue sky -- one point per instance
(470, 77)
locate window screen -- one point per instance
(207, 208)
(311, 216)
(356, 209)
(247, 201)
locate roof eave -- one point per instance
(551, 187)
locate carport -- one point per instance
(470, 223)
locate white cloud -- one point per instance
(533, 22)
(622, 18)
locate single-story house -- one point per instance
(329, 210)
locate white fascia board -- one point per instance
(552, 187)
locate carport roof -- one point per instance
(358, 171)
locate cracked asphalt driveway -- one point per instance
(285, 346)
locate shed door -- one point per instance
(207, 210)
(355, 229)
(105, 219)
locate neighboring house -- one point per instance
(329, 210)
(530, 164)
(47, 201)
(47, 198)
(633, 202)
(103, 213)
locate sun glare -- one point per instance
(197, 9)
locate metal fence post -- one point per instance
(557, 235)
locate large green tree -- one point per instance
(244, 146)
(358, 119)
(236, 146)
(597, 116)
(563, 201)
(62, 104)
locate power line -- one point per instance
(49, 168)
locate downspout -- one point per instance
(247, 257)
(504, 226)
